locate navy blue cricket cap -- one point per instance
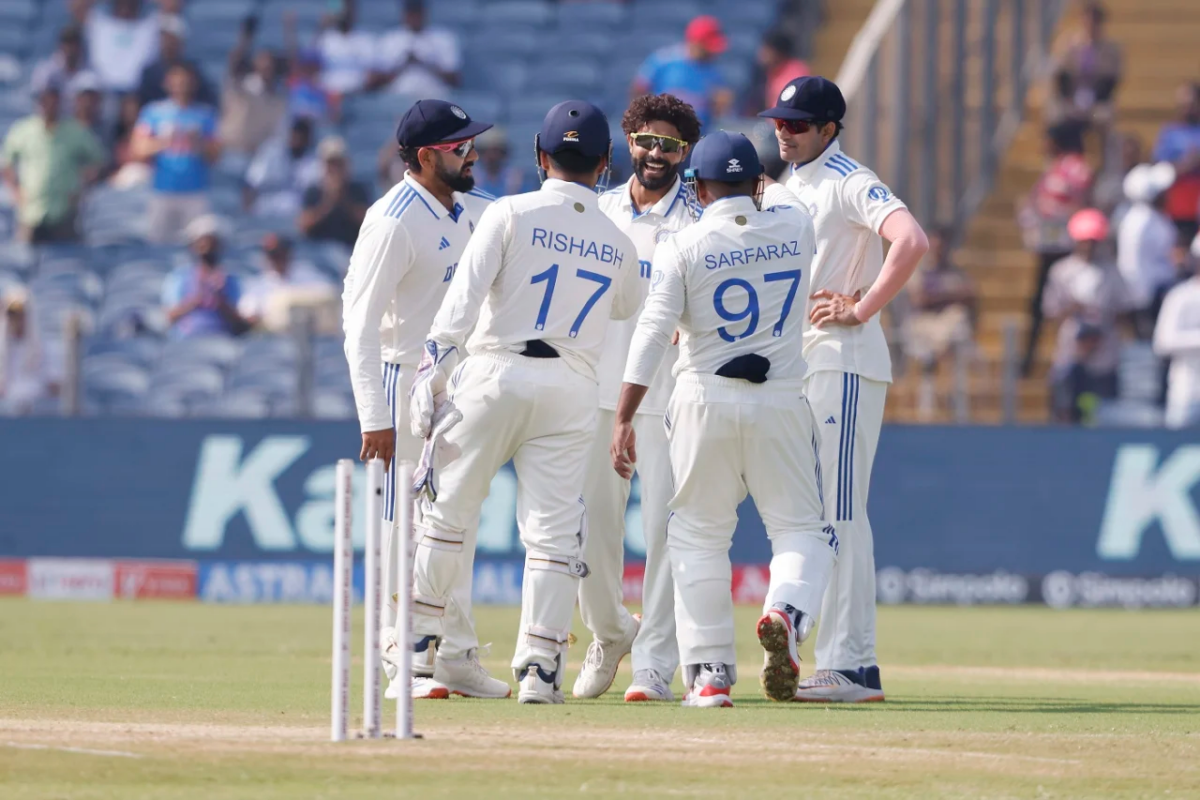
(726, 157)
(434, 122)
(575, 125)
(810, 98)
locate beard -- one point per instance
(457, 181)
(654, 183)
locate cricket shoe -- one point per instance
(839, 686)
(422, 685)
(710, 688)
(537, 687)
(601, 663)
(647, 686)
(777, 635)
(466, 677)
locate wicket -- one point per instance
(373, 597)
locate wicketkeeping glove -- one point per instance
(430, 389)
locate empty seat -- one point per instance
(106, 381)
(590, 16)
(516, 13)
(219, 351)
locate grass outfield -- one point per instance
(192, 701)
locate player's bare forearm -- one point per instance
(623, 449)
(909, 246)
(630, 400)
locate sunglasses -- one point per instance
(460, 149)
(668, 144)
(796, 125)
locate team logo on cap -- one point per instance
(734, 166)
(571, 136)
(458, 112)
(788, 93)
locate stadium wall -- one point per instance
(233, 511)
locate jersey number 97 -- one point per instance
(751, 309)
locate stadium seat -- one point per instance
(737, 73)
(505, 43)
(591, 16)
(486, 106)
(106, 381)
(157, 405)
(191, 383)
(15, 12)
(218, 351)
(565, 44)
(453, 14)
(667, 15)
(578, 78)
(238, 404)
(757, 14)
(217, 14)
(508, 78)
(333, 405)
(516, 13)
(268, 351)
(141, 351)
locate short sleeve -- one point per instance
(648, 73)
(173, 289)
(12, 146)
(866, 200)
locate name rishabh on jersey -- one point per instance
(848, 204)
(407, 252)
(542, 265)
(735, 284)
(647, 230)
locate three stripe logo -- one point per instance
(445, 243)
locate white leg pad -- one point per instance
(429, 606)
(703, 601)
(568, 565)
(800, 569)
(439, 539)
(547, 607)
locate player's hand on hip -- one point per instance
(834, 309)
(378, 444)
(624, 449)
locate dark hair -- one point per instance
(1067, 137)
(1095, 11)
(778, 40)
(573, 162)
(662, 108)
(411, 159)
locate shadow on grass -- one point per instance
(975, 705)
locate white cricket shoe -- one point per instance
(422, 687)
(466, 677)
(781, 672)
(837, 686)
(601, 663)
(648, 686)
(537, 687)
(710, 689)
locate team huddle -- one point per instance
(707, 328)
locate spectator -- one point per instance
(1062, 190)
(88, 108)
(334, 208)
(687, 71)
(347, 55)
(1145, 241)
(306, 96)
(120, 44)
(281, 173)
(67, 67)
(1179, 143)
(253, 100)
(48, 159)
(25, 377)
(130, 171)
(282, 278)
(943, 304)
(1177, 337)
(1086, 293)
(778, 66)
(493, 173)
(178, 136)
(415, 59)
(1086, 74)
(1108, 192)
(153, 84)
(202, 300)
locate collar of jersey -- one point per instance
(662, 208)
(575, 191)
(729, 207)
(806, 172)
(432, 203)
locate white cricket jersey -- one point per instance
(407, 251)
(545, 265)
(733, 284)
(1177, 336)
(848, 204)
(646, 230)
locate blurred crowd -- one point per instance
(1114, 228)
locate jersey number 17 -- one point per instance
(550, 278)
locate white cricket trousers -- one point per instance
(849, 411)
(541, 414)
(606, 495)
(459, 624)
(728, 438)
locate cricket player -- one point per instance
(661, 129)
(542, 275)
(737, 423)
(407, 250)
(848, 362)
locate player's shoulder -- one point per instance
(475, 202)
(614, 199)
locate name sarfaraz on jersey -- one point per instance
(585, 248)
(752, 254)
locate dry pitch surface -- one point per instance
(189, 701)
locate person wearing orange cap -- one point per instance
(688, 71)
(1087, 294)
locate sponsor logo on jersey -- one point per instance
(879, 193)
(444, 243)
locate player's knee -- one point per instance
(436, 538)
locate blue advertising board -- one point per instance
(944, 500)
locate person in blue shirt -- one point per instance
(688, 71)
(202, 300)
(178, 137)
(1179, 143)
